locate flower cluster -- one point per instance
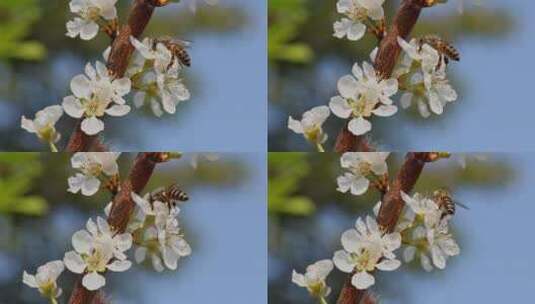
(157, 234)
(90, 13)
(96, 250)
(358, 14)
(156, 75)
(93, 165)
(422, 75)
(96, 94)
(363, 167)
(427, 236)
(367, 248)
(153, 227)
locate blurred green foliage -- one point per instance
(286, 170)
(16, 20)
(286, 17)
(18, 171)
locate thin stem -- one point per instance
(53, 300)
(320, 147)
(322, 300)
(53, 147)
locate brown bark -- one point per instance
(122, 208)
(121, 50)
(391, 208)
(346, 141)
(386, 59)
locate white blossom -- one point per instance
(314, 279)
(45, 279)
(43, 125)
(163, 83)
(97, 250)
(161, 240)
(92, 165)
(424, 73)
(435, 246)
(438, 89)
(89, 12)
(366, 248)
(160, 55)
(164, 91)
(357, 12)
(96, 94)
(423, 207)
(362, 95)
(311, 124)
(362, 166)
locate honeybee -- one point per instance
(446, 50)
(178, 49)
(170, 195)
(445, 202)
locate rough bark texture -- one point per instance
(391, 208)
(121, 50)
(387, 56)
(122, 208)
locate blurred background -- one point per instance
(227, 80)
(493, 112)
(224, 222)
(307, 217)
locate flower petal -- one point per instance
(118, 110)
(74, 262)
(342, 260)
(82, 241)
(340, 107)
(359, 126)
(119, 266)
(93, 281)
(81, 86)
(92, 126)
(73, 107)
(362, 280)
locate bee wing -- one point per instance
(462, 205)
(184, 43)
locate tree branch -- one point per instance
(121, 50)
(386, 59)
(391, 208)
(122, 208)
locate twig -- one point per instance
(388, 53)
(121, 50)
(391, 208)
(346, 141)
(122, 208)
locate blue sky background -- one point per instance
(496, 260)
